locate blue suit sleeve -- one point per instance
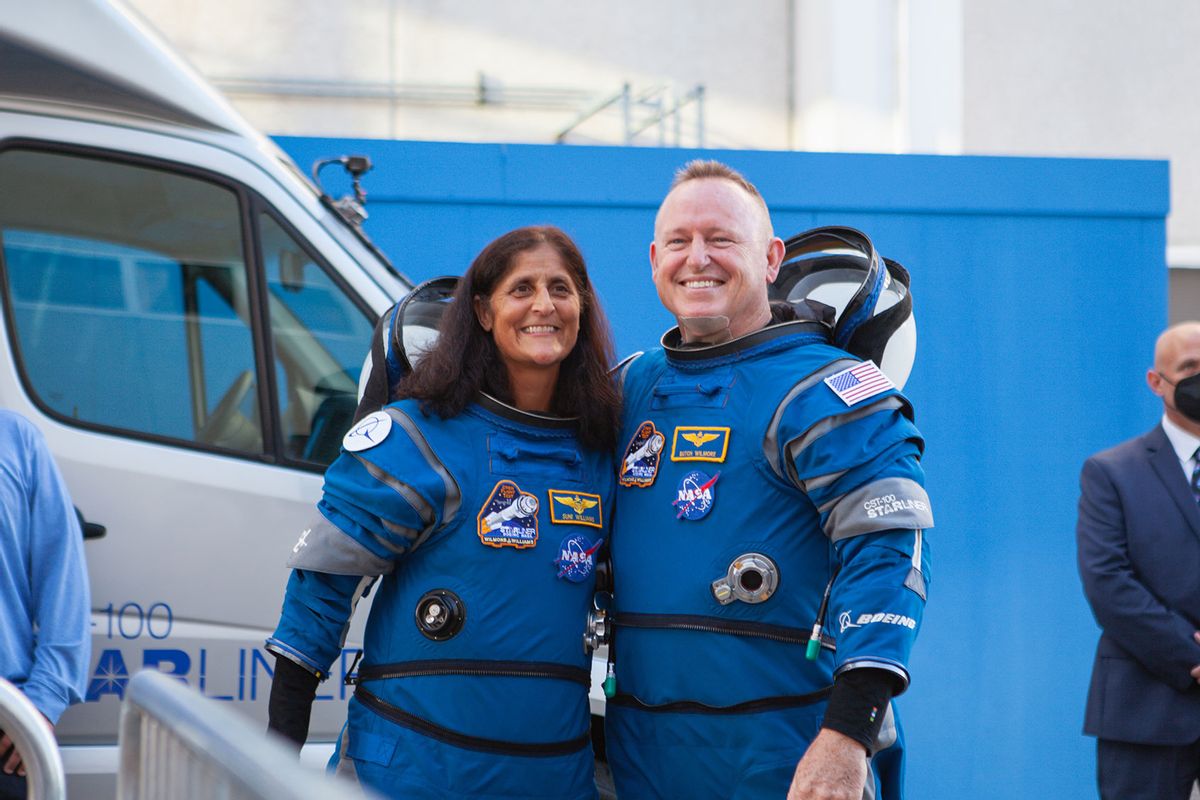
(317, 608)
(1158, 637)
(860, 467)
(378, 505)
(878, 600)
(61, 602)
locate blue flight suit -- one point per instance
(505, 511)
(748, 448)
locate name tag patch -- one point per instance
(699, 443)
(575, 508)
(639, 467)
(509, 517)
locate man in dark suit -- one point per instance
(1139, 556)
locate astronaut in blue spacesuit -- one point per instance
(769, 564)
(478, 501)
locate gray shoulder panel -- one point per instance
(878, 506)
(325, 548)
(771, 439)
(453, 493)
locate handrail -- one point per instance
(32, 737)
(175, 743)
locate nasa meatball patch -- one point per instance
(577, 558)
(695, 496)
(639, 467)
(509, 517)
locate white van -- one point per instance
(184, 316)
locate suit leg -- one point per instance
(1127, 771)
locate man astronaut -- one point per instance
(787, 489)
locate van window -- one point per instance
(318, 337)
(129, 297)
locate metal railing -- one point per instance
(176, 744)
(649, 108)
(34, 740)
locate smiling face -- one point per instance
(533, 313)
(713, 256)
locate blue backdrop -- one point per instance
(1039, 286)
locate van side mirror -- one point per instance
(352, 209)
(91, 530)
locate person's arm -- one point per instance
(61, 602)
(862, 473)
(317, 608)
(1159, 638)
(367, 522)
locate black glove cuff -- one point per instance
(858, 704)
(293, 689)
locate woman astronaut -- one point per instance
(480, 497)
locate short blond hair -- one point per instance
(700, 169)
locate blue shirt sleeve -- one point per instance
(48, 605)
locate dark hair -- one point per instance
(465, 360)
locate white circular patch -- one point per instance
(371, 431)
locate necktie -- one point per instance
(1196, 475)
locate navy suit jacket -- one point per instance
(1139, 557)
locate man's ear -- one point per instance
(653, 263)
(775, 253)
(483, 312)
(1156, 383)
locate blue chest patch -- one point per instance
(577, 557)
(509, 517)
(696, 495)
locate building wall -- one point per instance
(1062, 77)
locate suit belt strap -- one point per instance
(474, 667)
(441, 734)
(748, 707)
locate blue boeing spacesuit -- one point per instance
(756, 473)
(485, 529)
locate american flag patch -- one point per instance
(859, 382)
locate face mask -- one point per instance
(1187, 396)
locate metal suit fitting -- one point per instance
(597, 632)
(751, 578)
(440, 614)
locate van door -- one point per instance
(192, 360)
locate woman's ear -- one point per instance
(483, 312)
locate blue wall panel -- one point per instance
(1039, 287)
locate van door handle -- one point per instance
(91, 530)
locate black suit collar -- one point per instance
(1165, 463)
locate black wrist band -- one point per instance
(289, 710)
(858, 703)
